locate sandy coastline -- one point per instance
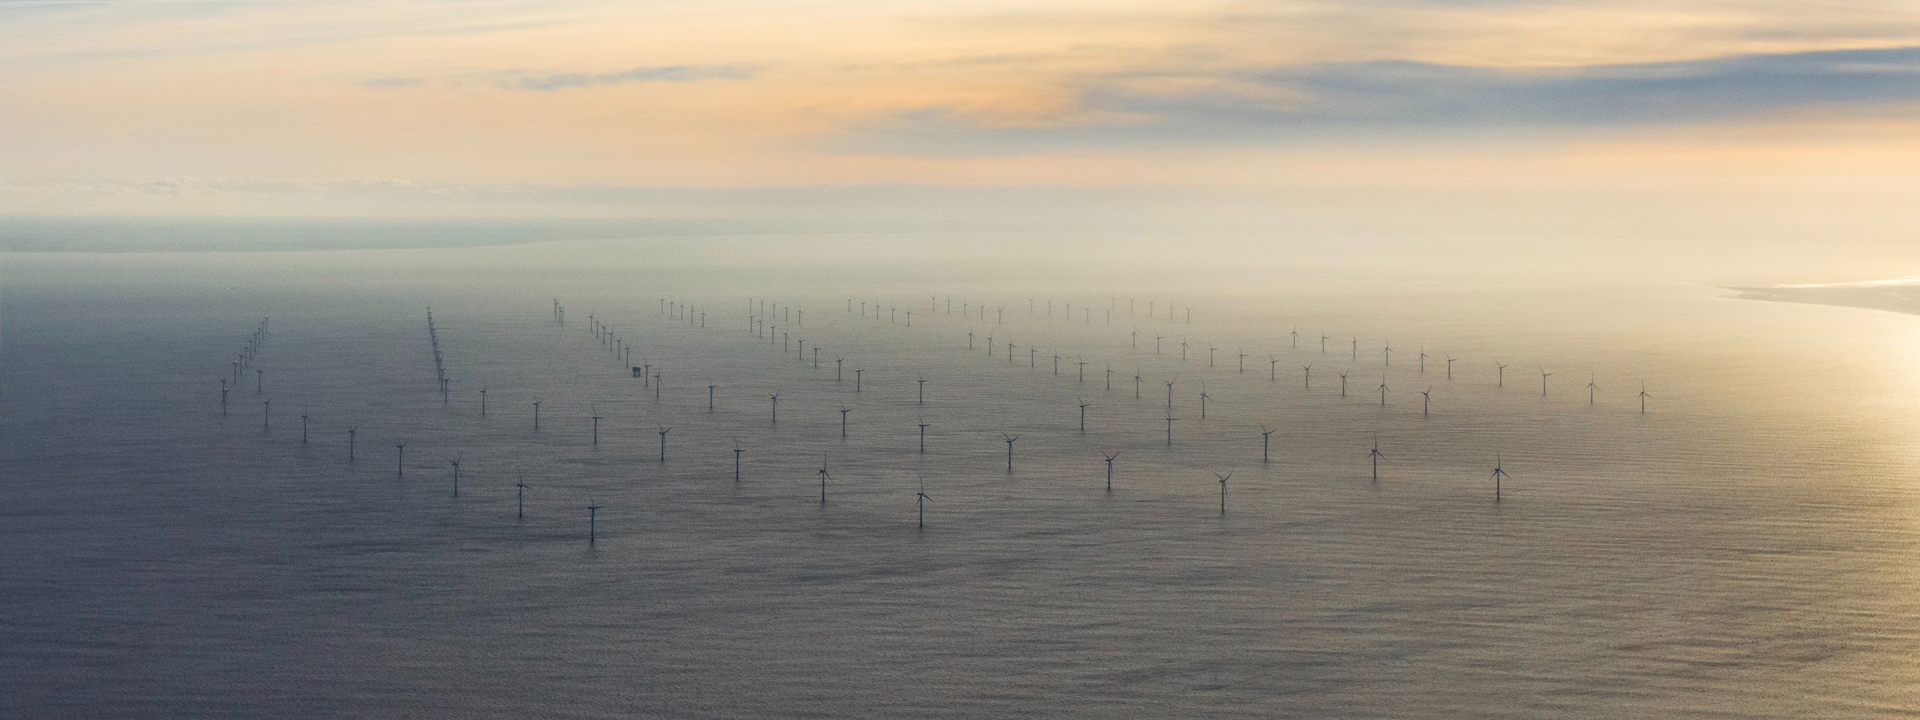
(1901, 298)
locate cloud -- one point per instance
(1318, 100)
(1407, 93)
(663, 73)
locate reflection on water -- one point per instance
(1744, 547)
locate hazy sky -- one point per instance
(1677, 116)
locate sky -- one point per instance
(1721, 120)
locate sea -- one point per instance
(1707, 505)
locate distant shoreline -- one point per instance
(1901, 298)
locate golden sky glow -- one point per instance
(103, 102)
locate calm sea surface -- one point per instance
(1745, 548)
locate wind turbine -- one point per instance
(1203, 401)
(663, 442)
(1503, 373)
(1010, 439)
(400, 466)
(1223, 490)
(843, 421)
(923, 435)
(1377, 457)
(1389, 353)
(1383, 391)
(1309, 368)
(1423, 360)
(1643, 398)
(1323, 343)
(1083, 414)
(1449, 366)
(1343, 384)
(1497, 474)
(824, 477)
(593, 520)
(1265, 436)
(1426, 398)
(1110, 456)
(1590, 388)
(920, 502)
(776, 408)
(736, 461)
(351, 429)
(456, 474)
(1543, 381)
(520, 499)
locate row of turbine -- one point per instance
(243, 361)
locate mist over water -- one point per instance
(1745, 548)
